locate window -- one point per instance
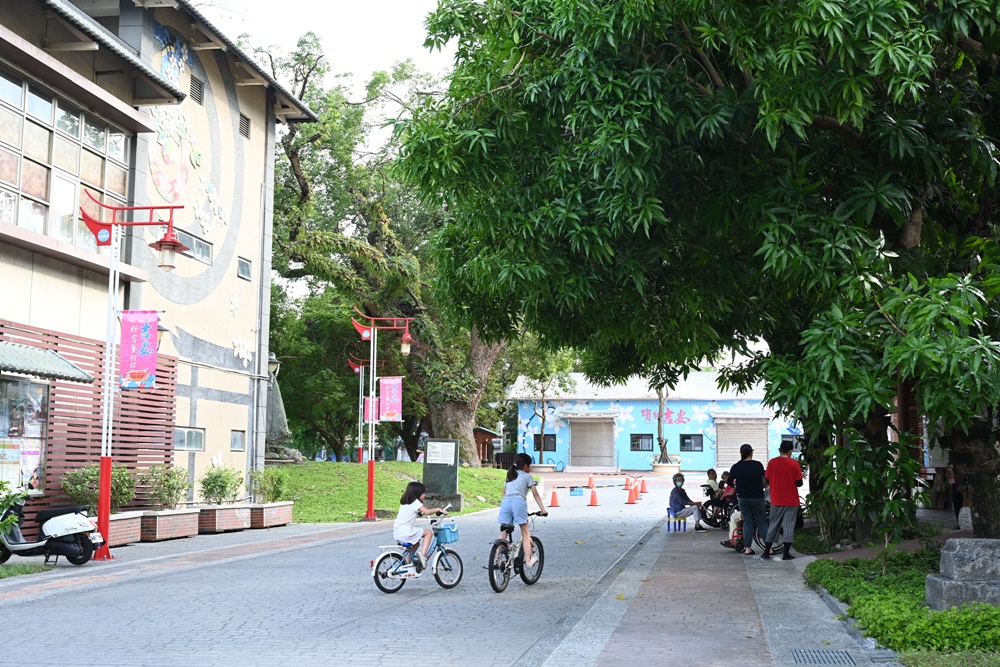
(244, 126)
(243, 268)
(197, 90)
(550, 442)
(795, 440)
(50, 153)
(197, 248)
(237, 441)
(189, 439)
(641, 442)
(691, 443)
(24, 414)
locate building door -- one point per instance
(732, 433)
(592, 443)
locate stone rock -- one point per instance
(970, 572)
(965, 519)
(280, 453)
(971, 559)
(481, 499)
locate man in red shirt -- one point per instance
(785, 477)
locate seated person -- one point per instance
(734, 520)
(683, 506)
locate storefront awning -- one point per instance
(27, 360)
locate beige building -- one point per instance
(138, 102)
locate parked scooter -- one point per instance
(65, 531)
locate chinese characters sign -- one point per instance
(391, 399)
(669, 417)
(369, 413)
(137, 355)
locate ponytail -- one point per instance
(512, 473)
(520, 461)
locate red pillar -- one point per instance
(104, 509)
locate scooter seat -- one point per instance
(45, 515)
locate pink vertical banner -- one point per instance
(370, 415)
(137, 353)
(391, 399)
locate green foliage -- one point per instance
(166, 485)
(834, 515)
(18, 569)
(268, 484)
(888, 602)
(808, 542)
(82, 486)
(220, 485)
(949, 658)
(328, 492)
(8, 499)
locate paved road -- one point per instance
(309, 599)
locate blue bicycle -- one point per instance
(396, 563)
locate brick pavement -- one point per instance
(696, 608)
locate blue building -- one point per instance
(594, 428)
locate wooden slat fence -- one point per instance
(143, 428)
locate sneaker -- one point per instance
(418, 560)
(699, 529)
(726, 544)
(531, 560)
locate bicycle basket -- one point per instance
(447, 533)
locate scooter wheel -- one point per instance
(4, 554)
(87, 551)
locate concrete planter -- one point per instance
(169, 524)
(542, 468)
(667, 469)
(124, 528)
(223, 518)
(269, 515)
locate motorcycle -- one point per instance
(65, 531)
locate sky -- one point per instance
(358, 36)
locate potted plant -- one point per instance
(267, 486)
(166, 486)
(220, 488)
(82, 487)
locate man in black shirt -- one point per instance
(748, 478)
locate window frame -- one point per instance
(240, 262)
(550, 438)
(186, 430)
(637, 440)
(42, 391)
(243, 440)
(691, 447)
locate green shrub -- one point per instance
(166, 485)
(890, 607)
(268, 484)
(8, 499)
(221, 485)
(82, 486)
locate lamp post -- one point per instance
(358, 366)
(370, 333)
(109, 234)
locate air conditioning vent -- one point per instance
(244, 126)
(197, 90)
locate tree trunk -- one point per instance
(875, 430)
(661, 395)
(456, 420)
(976, 456)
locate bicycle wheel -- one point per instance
(530, 575)
(448, 571)
(385, 566)
(499, 566)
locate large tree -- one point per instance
(653, 182)
(347, 228)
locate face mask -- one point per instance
(679, 484)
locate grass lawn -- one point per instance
(16, 569)
(326, 492)
(936, 659)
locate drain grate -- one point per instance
(804, 656)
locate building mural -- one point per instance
(691, 422)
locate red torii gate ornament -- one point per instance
(168, 246)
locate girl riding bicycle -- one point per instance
(514, 506)
(404, 528)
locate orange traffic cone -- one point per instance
(643, 488)
(593, 499)
(628, 483)
(590, 482)
(635, 492)
(631, 497)
(555, 499)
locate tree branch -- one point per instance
(850, 136)
(713, 74)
